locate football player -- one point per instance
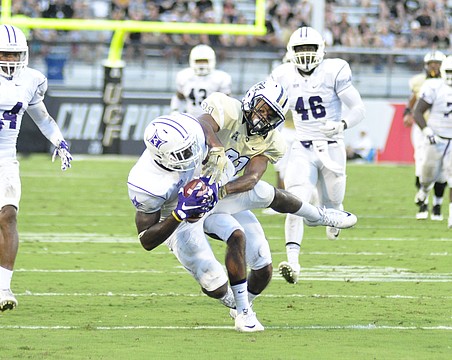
(436, 97)
(161, 207)
(175, 148)
(244, 131)
(22, 89)
(195, 83)
(432, 65)
(317, 89)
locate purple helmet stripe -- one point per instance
(174, 124)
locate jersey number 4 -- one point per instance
(315, 105)
(11, 116)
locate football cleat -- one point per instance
(247, 322)
(7, 300)
(449, 222)
(289, 272)
(335, 218)
(436, 213)
(332, 233)
(423, 212)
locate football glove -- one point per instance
(331, 128)
(429, 135)
(63, 152)
(193, 205)
(215, 165)
(212, 191)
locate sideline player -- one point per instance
(436, 97)
(195, 83)
(22, 89)
(317, 88)
(432, 64)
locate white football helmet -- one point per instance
(202, 52)
(306, 59)
(264, 107)
(172, 144)
(446, 70)
(12, 43)
(433, 56)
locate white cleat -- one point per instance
(332, 233)
(449, 222)
(335, 218)
(248, 322)
(7, 300)
(289, 272)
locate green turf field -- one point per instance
(87, 290)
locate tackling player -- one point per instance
(195, 83)
(22, 89)
(244, 131)
(171, 161)
(432, 64)
(436, 97)
(317, 88)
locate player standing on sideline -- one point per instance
(436, 97)
(22, 89)
(195, 83)
(432, 64)
(317, 88)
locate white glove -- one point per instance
(63, 152)
(215, 165)
(331, 128)
(429, 135)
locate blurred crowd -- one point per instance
(351, 23)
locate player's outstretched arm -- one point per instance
(49, 128)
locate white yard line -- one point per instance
(147, 327)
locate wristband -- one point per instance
(406, 111)
(176, 217)
(222, 192)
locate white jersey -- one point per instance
(314, 99)
(153, 188)
(437, 93)
(196, 88)
(16, 95)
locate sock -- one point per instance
(437, 200)
(228, 299)
(308, 211)
(241, 296)
(450, 209)
(251, 297)
(293, 252)
(5, 278)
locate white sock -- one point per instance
(437, 200)
(241, 297)
(308, 211)
(228, 299)
(251, 297)
(5, 278)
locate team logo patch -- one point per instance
(156, 140)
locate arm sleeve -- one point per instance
(46, 124)
(352, 99)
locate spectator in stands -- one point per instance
(59, 9)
